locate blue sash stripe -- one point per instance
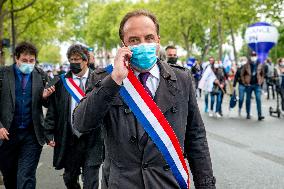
(62, 76)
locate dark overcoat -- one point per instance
(130, 162)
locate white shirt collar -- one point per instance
(155, 72)
(84, 76)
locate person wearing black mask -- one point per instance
(73, 150)
(252, 76)
(171, 53)
(91, 58)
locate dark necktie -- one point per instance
(81, 84)
(143, 78)
(24, 81)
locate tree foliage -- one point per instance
(200, 27)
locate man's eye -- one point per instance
(133, 40)
(150, 38)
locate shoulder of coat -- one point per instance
(99, 70)
(178, 67)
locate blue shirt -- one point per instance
(20, 74)
(23, 102)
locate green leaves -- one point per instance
(191, 24)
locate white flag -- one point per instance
(206, 82)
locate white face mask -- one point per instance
(216, 66)
(243, 63)
(26, 68)
(253, 58)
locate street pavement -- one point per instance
(246, 154)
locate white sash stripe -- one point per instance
(75, 91)
(155, 124)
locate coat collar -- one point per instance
(167, 89)
(11, 79)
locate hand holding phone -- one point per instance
(121, 64)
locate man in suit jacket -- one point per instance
(73, 151)
(21, 118)
(132, 160)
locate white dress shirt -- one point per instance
(153, 80)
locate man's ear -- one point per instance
(122, 44)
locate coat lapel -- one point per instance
(37, 84)
(68, 99)
(167, 89)
(11, 79)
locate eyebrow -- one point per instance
(149, 35)
(133, 37)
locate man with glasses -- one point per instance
(21, 118)
(73, 150)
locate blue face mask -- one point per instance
(26, 68)
(144, 56)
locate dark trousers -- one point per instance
(19, 159)
(269, 85)
(282, 98)
(257, 91)
(76, 158)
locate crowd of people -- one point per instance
(247, 77)
(91, 122)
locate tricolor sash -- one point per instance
(155, 124)
(73, 89)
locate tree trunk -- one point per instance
(205, 50)
(186, 45)
(233, 40)
(220, 36)
(2, 57)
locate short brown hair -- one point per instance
(137, 13)
(170, 47)
(78, 49)
(25, 48)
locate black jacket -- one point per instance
(58, 127)
(131, 163)
(7, 103)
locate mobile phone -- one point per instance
(52, 82)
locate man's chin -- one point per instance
(141, 70)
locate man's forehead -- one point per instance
(27, 55)
(139, 24)
(75, 55)
(171, 50)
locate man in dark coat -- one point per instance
(73, 151)
(132, 160)
(21, 118)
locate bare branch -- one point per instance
(24, 7)
(30, 22)
(2, 3)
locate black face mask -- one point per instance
(75, 68)
(92, 66)
(172, 60)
